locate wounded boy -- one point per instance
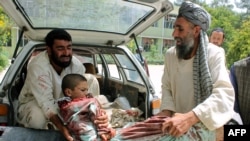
(78, 109)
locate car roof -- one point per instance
(90, 21)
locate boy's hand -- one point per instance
(102, 121)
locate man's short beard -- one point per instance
(58, 62)
(183, 51)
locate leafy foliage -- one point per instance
(5, 37)
(236, 42)
(225, 18)
(239, 47)
(5, 28)
(3, 58)
(131, 45)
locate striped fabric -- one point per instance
(201, 74)
(197, 132)
(242, 70)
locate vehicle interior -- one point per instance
(117, 76)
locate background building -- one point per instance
(159, 35)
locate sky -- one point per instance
(231, 2)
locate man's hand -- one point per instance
(102, 121)
(64, 130)
(66, 134)
(179, 124)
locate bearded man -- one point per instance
(196, 89)
(217, 36)
(197, 95)
(37, 107)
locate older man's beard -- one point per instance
(56, 60)
(184, 50)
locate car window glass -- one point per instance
(85, 14)
(129, 68)
(84, 58)
(113, 70)
(23, 42)
(99, 65)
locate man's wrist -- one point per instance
(167, 113)
(192, 117)
(57, 122)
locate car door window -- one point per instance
(111, 66)
(99, 65)
(129, 68)
(113, 70)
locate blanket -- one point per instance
(150, 130)
(79, 115)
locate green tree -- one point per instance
(5, 36)
(131, 45)
(230, 21)
(225, 18)
(240, 46)
(5, 28)
(3, 58)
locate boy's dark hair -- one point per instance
(60, 34)
(218, 29)
(72, 80)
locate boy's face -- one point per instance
(81, 90)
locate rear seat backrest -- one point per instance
(90, 68)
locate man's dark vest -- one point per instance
(242, 73)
